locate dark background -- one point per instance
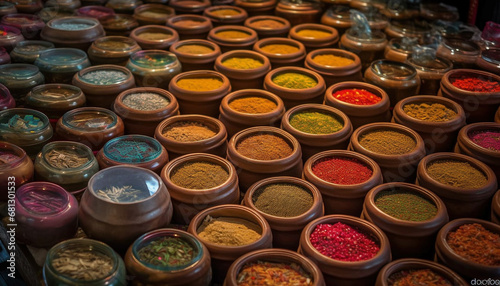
(488, 10)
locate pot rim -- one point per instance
(296, 56)
(463, 137)
(121, 109)
(187, 94)
(243, 74)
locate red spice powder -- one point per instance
(357, 96)
(342, 170)
(342, 242)
(489, 139)
(476, 84)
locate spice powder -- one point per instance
(230, 231)
(342, 170)
(387, 142)
(252, 105)
(188, 131)
(280, 49)
(200, 84)
(294, 80)
(199, 175)
(195, 49)
(332, 60)
(459, 174)
(405, 205)
(309, 33)
(264, 147)
(314, 122)
(272, 273)
(283, 200)
(433, 112)
(417, 277)
(242, 63)
(489, 139)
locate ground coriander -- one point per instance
(433, 112)
(242, 63)
(195, 49)
(294, 80)
(252, 104)
(387, 142)
(332, 60)
(284, 200)
(455, 173)
(230, 231)
(199, 175)
(314, 122)
(405, 205)
(200, 84)
(188, 131)
(342, 170)
(264, 147)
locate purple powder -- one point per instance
(488, 139)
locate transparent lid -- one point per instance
(461, 46)
(424, 58)
(492, 56)
(63, 56)
(18, 71)
(412, 26)
(104, 76)
(73, 23)
(20, 19)
(115, 43)
(43, 198)
(133, 149)
(10, 155)
(491, 32)
(393, 70)
(32, 47)
(153, 58)
(23, 120)
(48, 93)
(90, 119)
(404, 44)
(65, 155)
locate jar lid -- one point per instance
(8, 32)
(32, 47)
(104, 76)
(10, 155)
(90, 119)
(62, 57)
(18, 71)
(47, 94)
(153, 58)
(492, 56)
(43, 198)
(195, 47)
(23, 120)
(459, 45)
(118, 22)
(73, 23)
(66, 155)
(432, 63)
(6, 99)
(393, 70)
(94, 11)
(22, 20)
(374, 36)
(340, 12)
(132, 149)
(412, 26)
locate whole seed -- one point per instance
(104, 77)
(145, 101)
(405, 205)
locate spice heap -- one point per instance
(357, 96)
(433, 112)
(18, 123)
(342, 170)
(124, 194)
(280, 49)
(283, 200)
(154, 36)
(272, 273)
(65, 158)
(405, 205)
(231, 34)
(309, 33)
(332, 60)
(295, 80)
(343, 242)
(242, 63)
(314, 122)
(167, 251)
(199, 175)
(195, 49)
(82, 264)
(459, 174)
(43, 201)
(253, 105)
(189, 23)
(90, 120)
(489, 139)
(200, 84)
(188, 131)
(270, 24)
(387, 142)
(264, 147)
(113, 45)
(225, 12)
(104, 77)
(417, 277)
(8, 158)
(471, 240)
(146, 101)
(476, 84)
(229, 231)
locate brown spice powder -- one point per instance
(188, 131)
(253, 104)
(264, 147)
(230, 231)
(199, 175)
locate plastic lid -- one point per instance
(63, 56)
(153, 58)
(393, 70)
(43, 198)
(491, 32)
(132, 149)
(18, 71)
(90, 119)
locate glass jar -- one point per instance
(123, 6)
(368, 47)
(68, 250)
(9, 37)
(30, 25)
(398, 49)
(438, 11)
(114, 50)
(153, 14)
(28, 6)
(154, 37)
(60, 64)
(4, 56)
(15, 168)
(7, 8)
(94, 11)
(6, 100)
(20, 78)
(55, 99)
(28, 51)
(462, 53)
(489, 60)
(118, 24)
(154, 68)
(72, 32)
(308, 11)
(45, 214)
(409, 28)
(430, 71)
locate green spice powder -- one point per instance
(387, 142)
(294, 80)
(456, 173)
(314, 122)
(284, 200)
(434, 112)
(199, 175)
(405, 205)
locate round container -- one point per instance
(225, 15)
(495, 208)
(435, 11)
(396, 167)
(462, 53)
(277, 56)
(342, 198)
(299, 12)
(101, 84)
(153, 68)
(217, 144)
(295, 96)
(489, 60)
(45, 214)
(154, 37)
(202, 97)
(10, 37)
(286, 230)
(49, 13)
(274, 256)
(7, 8)
(196, 272)
(187, 7)
(252, 170)
(59, 65)
(123, 6)
(19, 79)
(242, 77)
(15, 168)
(407, 238)
(188, 202)
(399, 80)
(112, 50)
(52, 276)
(30, 25)
(268, 26)
(120, 219)
(257, 8)
(460, 202)
(469, 270)
(118, 24)
(4, 56)
(72, 32)
(143, 108)
(333, 74)
(237, 120)
(28, 51)
(223, 256)
(368, 49)
(92, 126)
(94, 11)
(243, 38)
(396, 51)
(196, 54)
(6, 100)
(153, 14)
(338, 272)
(339, 17)
(315, 42)
(438, 135)
(430, 72)
(190, 26)
(409, 28)
(28, 6)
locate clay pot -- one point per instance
(368, 49)
(395, 52)
(286, 230)
(495, 208)
(20, 170)
(299, 13)
(430, 72)
(335, 74)
(497, 115)
(257, 8)
(489, 60)
(462, 53)
(268, 26)
(342, 199)
(118, 24)
(80, 39)
(279, 59)
(315, 43)
(161, 14)
(171, 36)
(230, 44)
(190, 26)
(196, 61)
(188, 7)
(240, 15)
(153, 68)
(410, 28)
(114, 50)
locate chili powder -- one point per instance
(476, 84)
(417, 277)
(264, 147)
(314, 122)
(342, 170)
(357, 96)
(405, 205)
(489, 139)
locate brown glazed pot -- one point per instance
(394, 51)
(188, 202)
(497, 115)
(368, 49)
(469, 270)
(286, 230)
(230, 44)
(195, 61)
(462, 53)
(460, 203)
(268, 26)
(495, 208)
(489, 60)
(276, 256)
(342, 199)
(407, 238)
(315, 43)
(336, 272)
(190, 26)
(430, 72)
(256, 8)
(80, 39)
(219, 20)
(281, 59)
(154, 44)
(188, 7)
(101, 51)
(335, 74)
(223, 256)
(165, 11)
(298, 13)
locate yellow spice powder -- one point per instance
(332, 60)
(200, 84)
(309, 33)
(188, 23)
(195, 49)
(231, 34)
(280, 49)
(154, 36)
(271, 24)
(225, 12)
(242, 63)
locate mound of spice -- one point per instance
(294, 80)
(387, 142)
(195, 49)
(314, 122)
(279, 49)
(342, 170)
(230, 231)
(242, 63)
(123, 194)
(332, 60)
(310, 33)
(167, 251)
(343, 242)
(417, 277)
(476, 84)
(272, 273)
(65, 158)
(264, 147)
(199, 175)
(200, 84)
(253, 104)
(283, 200)
(471, 240)
(405, 205)
(489, 139)
(225, 12)
(357, 96)
(188, 131)
(459, 174)
(154, 36)
(104, 77)
(82, 264)
(232, 34)
(434, 112)
(145, 101)
(270, 24)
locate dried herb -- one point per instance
(125, 194)
(8, 158)
(167, 251)
(90, 120)
(199, 175)
(81, 264)
(65, 159)
(272, 273)
(18, 123)
(43, 201)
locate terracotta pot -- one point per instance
(123, 7)
(280, 59)
(55, 99)
(30, 25)
(394, 51)
(368, 49)
(188, 202)
(18, 80)
(13, 37)
(338, 272)
(489, 60)
(118, 24)
(153, 68)
(338, 16)
(223, 256)
(189, 7)
(190, 26)
(339, 198)
(263, 7)
(286, 230)
(315, 43)
(81, 39)
(237, 17)
(335, 74)
(299, 13)
(230, 44)
(59, 65)
(153, 14)
(430, 72)
(196, 61)
(268, 26)
(462, 53)
(460, 202)
(495, 208)
(114, 50)
(274, 256)
(410, 28)
(164, 43)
